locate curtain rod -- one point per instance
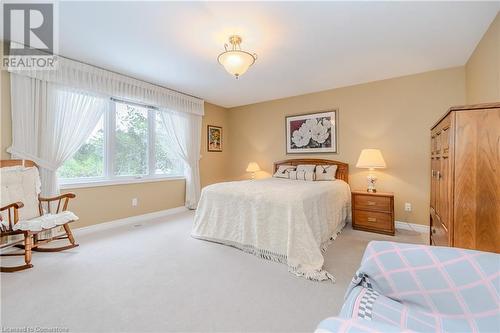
(7, 42)
(146, 106)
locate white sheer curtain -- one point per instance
(184, 132)
(50, 123)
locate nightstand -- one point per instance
(373, 212)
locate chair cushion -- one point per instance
(20, 184)
(44, 222)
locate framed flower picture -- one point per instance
(312, 133)
(214, 138)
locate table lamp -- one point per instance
(371, 159)
(253, 168)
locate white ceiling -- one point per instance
(302, 47)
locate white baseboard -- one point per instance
(412, 226)
(129, 220)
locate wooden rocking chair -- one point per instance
(29, 214)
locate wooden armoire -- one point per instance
(465, 178)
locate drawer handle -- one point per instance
(372, 219)
(372, 203)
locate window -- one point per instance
(129, 143)
(88, 161)
(131, 140)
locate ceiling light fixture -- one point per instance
(236, 61)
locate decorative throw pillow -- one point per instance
(302, 175)
(306, 167)
(326, 172)
(283, 171)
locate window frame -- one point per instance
(109, 178)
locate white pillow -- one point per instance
(326, 172)
(306, 167)
(302, 175)
(20, 184)
(283, 171)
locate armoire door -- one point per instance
(438, 236)
(477, 180)
(434, 168)
(444, 181)
(441, 196)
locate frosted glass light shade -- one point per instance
(253, 167)
(236, 62)
(371, 159)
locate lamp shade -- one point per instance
(371, 159)
(253, 167)
(236, 62)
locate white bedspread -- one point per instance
(288, 221)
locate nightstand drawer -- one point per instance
(372, 202)
(373, 220)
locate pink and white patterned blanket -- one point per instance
(418, 288)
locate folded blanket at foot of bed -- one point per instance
(418, 288)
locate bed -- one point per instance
(288, 221)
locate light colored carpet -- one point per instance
(155, 277)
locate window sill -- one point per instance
(111, 182)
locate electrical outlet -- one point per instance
(407, 207)
(134, 202)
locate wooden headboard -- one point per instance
(342, 168)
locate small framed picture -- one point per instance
(214, 138)
(312, 133)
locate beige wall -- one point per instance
(483, 68)
(214, 166)
(105, 203)
(393, 115)
(95, 205)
